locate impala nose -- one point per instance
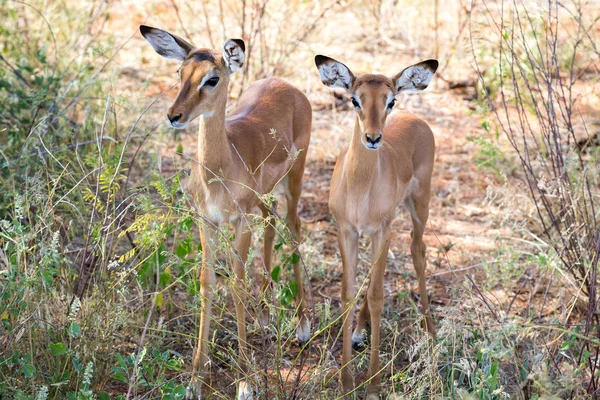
(174, 118)
(373, 140)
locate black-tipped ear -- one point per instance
(144, 29)
(320, 59)
(165, 43)
(333, 73)
(432, 64)
(234, 54)
(240, 43)
(416, 77)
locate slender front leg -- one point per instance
(243, 238)
(380, 243)
(209, 240)
(348, 240)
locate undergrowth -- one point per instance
(99, 249)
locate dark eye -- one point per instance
(391, 104)
(355, 103)
(212, 82)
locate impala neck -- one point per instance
(214, 148)
(360, 162)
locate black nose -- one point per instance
(373, 139)
(174, 118)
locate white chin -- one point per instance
(177, 125)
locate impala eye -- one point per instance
(212, 82)
(355, 103)
(391, 104)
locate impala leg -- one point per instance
(379, 250)
(293, 190)
(243, 238)
(417, 249)
(358, 336)
(268, 257)
(348, 241)
(209, 241)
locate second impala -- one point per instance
(388, 162)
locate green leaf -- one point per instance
(165, 278)
(275, 274)
(186, 223)
(48, 277)
(74, 329)
(119, 377)
(28, 370)
(103, 396)
(159, 302)
(295, 258)
(181, 250)
(493, 368)
(57, 349)
(121, 361)
(294, 288)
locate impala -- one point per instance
(263, 142)
(388, 162)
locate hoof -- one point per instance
(245, 391)
(264, 316)
(303, 332)
(192, 392)
(358, 341)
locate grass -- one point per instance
(99, 246)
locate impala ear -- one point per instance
(416, 77)
(233, 54)
(166, 44)
(333, 73)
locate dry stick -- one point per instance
(133, 127)
(181, 24)
(207, 23)
(139, 350)
(85, 278)
(15, 71)
(591, 309)
(483, 298)
(515, 296)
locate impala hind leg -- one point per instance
(293, 190)
(269, 236)
(348, 241)
(380, 244)
(420, 213)
(200, 367)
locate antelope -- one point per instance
(263, 142)
(389, 160)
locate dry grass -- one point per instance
(497, 289)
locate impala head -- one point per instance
(374, 96)
(204, 73)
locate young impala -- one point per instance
(238, 158)
(389, 161)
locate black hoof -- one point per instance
(359, 346)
